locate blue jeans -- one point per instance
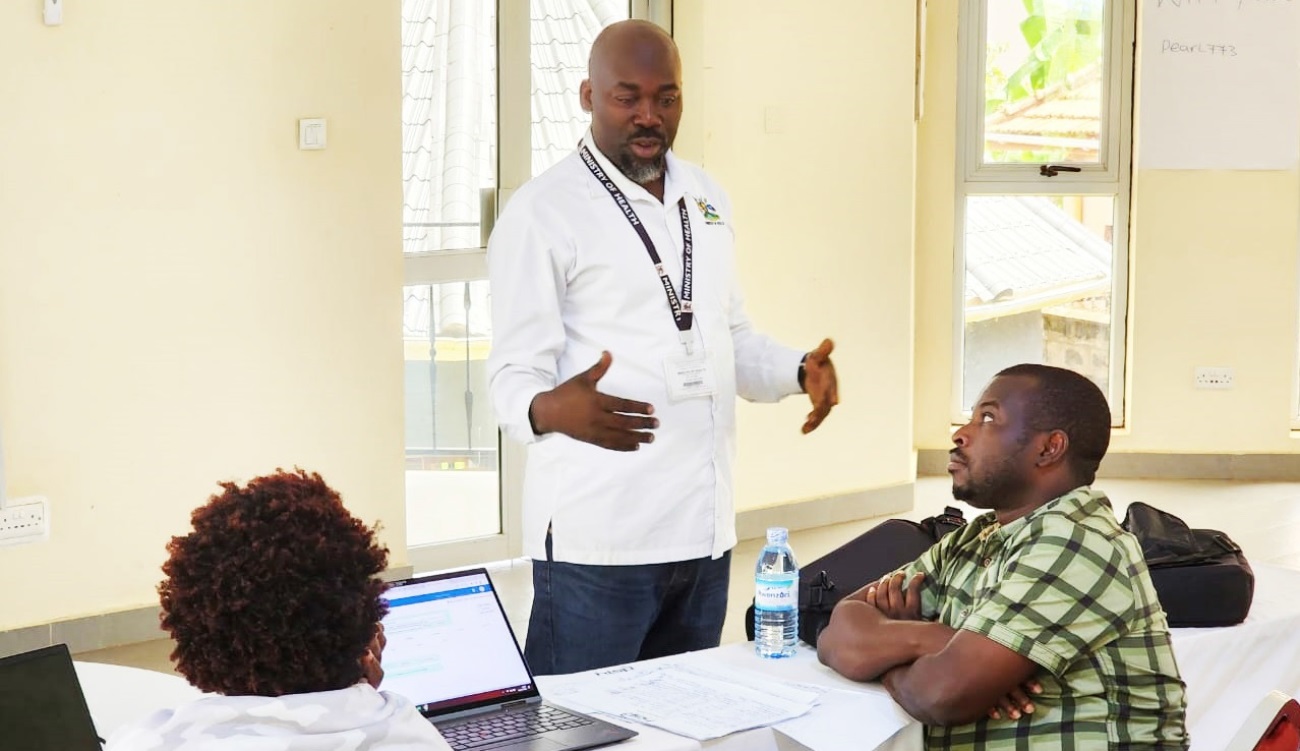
(587, 617)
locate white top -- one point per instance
(358, 718)
(570, 278)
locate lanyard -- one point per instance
(680, 307)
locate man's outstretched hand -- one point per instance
(820, 384)
(576, 409)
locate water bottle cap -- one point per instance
(777, 535)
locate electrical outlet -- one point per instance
(1213, 378)
(25, 520)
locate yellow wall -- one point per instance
(184, 296)
(936, 177)
(1213, 282)
(824, 215)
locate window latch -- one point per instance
(1052, 170)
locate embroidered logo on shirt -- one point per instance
(710, 213)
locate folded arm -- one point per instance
(941, 676)
(1031, 621)
(861, 643)
(958, 684)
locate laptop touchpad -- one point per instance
(532, 744)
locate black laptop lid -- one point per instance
(450, 647)
(41, 704)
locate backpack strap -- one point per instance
(950, 520)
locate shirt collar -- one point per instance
(678, 181)
(1078, 498)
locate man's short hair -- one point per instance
(1067, 401)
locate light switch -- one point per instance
(53, 12)
(311, 133)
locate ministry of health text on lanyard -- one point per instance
(680, 307)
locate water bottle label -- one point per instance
(782, 594)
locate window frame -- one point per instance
(1110, 176)
(514, 168)
(1295, 365)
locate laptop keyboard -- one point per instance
(502, 727)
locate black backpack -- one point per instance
(1200, 575)
(890, 545)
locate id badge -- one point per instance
(689, 376)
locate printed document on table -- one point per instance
(848, 721)
(681, 700)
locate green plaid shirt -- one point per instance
(1068, 588)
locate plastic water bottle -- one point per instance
(776, 597)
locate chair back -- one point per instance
(1274, 725)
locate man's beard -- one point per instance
(981, 493)
(641, 171)
(999, 484)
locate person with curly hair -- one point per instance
(274, 603)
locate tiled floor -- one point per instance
(1264, 518)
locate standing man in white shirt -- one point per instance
(621, 343)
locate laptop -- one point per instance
(452, 652)
(41, 704)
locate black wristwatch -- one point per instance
(803, 372)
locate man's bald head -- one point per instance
(633, 92)
(632, 41)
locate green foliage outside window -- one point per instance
(1065, 41)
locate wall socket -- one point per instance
(25, 520)
(1213, 378)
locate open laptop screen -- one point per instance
(41, 704)
(450, 647)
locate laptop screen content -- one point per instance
(450, 646)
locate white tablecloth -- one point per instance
(1228, 670)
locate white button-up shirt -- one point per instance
(570, 278)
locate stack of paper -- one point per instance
(684, 700)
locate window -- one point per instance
(490, 98)
(1044, 118)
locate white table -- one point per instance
(117, 695)
(1228, 670)
(803, 668)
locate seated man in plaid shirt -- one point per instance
(1044, 596)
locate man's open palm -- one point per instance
(820, 384)
(576, 409)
